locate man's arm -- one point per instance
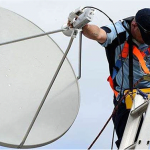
(95, 33)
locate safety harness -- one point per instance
(125, 52)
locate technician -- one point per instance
(133, 31)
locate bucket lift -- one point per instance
(139, 107)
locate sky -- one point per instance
(95, 94)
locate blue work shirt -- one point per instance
(137, 70)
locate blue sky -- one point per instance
(96, 95)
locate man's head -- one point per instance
(140, 26)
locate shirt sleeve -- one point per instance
(111, 32)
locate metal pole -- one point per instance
(31, 37)
(80, 54)
(48, 90)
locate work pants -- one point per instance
(119, 120)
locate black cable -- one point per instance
(114, 112)
(118, 42)
(120, 93)
(112, 143)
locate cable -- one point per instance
(112, 143)
(118, 38)
(120, 93)
(114, 111)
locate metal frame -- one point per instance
(140, 105)
(80, 55)
(48, 89)
(31, 37)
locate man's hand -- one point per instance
(70, 24)
(69, 31)
(78, 19)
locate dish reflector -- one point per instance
(26, 69)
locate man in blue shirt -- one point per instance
(138, 28)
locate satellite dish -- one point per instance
(26, 69)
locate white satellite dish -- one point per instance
(26, 69)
